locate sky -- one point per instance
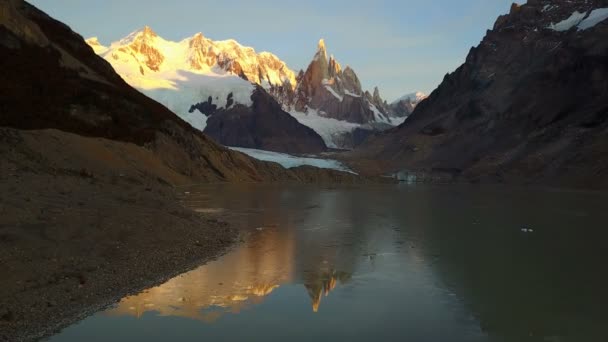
(401, 46)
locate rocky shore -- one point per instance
(75, 238)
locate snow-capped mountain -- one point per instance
(336, 93)
(143, 52)
(405, 105)
(197, 73)
(412, 97)
(197, 78)
(330, 100)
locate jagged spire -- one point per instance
(334, 67)
(321, 45)
(321, 50)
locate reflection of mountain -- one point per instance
(322, 284)
(271, 257)
(242, 278)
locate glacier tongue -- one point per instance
(289, 161)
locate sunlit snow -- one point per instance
(191, 88)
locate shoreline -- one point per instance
(72, 245)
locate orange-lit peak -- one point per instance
(321, 50)
(321, 45)
(147, 31)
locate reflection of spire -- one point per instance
(324, 285)
(315, 295)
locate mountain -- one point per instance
(331, 101)
(263, 125)
(530, 104)
(199, 78)
(325, 87)
(187, 74)
(405, 105)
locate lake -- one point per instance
(382, 262)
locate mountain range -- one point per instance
(206, 81)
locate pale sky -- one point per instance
(401, 46)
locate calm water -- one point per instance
(383, 263)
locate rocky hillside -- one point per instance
(530, 104)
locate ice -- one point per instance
(289, 161)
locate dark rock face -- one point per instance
(207, 108)
(264, 126)
(529, 104)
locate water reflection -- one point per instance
(385, 263)
(323, 284)
(241, 279)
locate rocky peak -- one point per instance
(334, 67)
(148, 32)
(197, 40)
(337, 92)
(198, 56)
(321, 50)
(352, 81)
(143, 42)
(376, 97)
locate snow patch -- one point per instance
(568, 23)
(333, 92)
(329, 129)
(289, 161)
(595, 17)
(378, 116)
(346, 92)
